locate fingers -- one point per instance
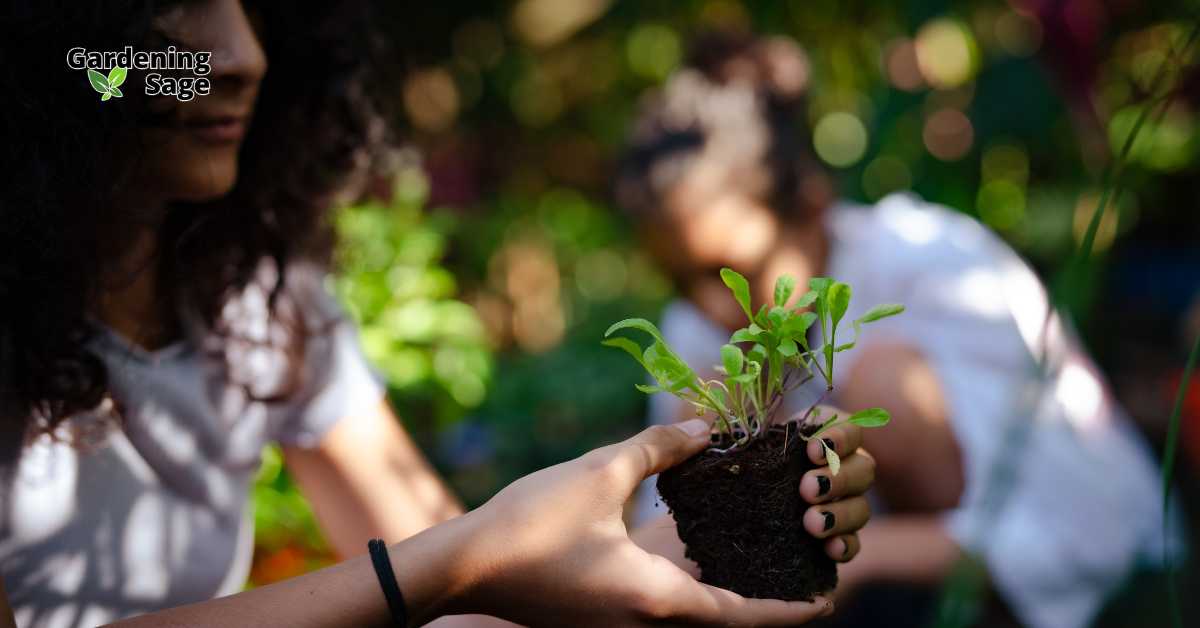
(836, 518)
(658, 448)
(718, 607)
(855, 477)
(843, 548)
(843, 439)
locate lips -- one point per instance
(218, 129)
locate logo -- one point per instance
(108, 86)
(187, 71)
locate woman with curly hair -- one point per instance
(163, 317)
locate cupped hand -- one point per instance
(840, 508)
(552, 550)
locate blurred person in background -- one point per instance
(165, 316)
(717, 172)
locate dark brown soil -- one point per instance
(740, 516)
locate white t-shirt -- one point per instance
(1085, 505)
(154, 513)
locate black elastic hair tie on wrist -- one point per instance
(387, 581)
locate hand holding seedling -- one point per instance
(552, 549)
(736, 506)
(828, 496)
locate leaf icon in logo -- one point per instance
(99, 83)
(116, 92)
(117, 76)
(106, 96)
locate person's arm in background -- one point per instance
(367, 479)
(920, 468)
(550, 549)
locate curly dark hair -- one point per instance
(317, 123)
(737, 102)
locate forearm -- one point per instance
(429, 568)
(910, 548)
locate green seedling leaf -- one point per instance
(776, 317)
(733, 360)
(761, 317)
(846, 347)
(796, 326)
(739, 287)
(871, 417)
(757, 353)
(627, 346)
(636, 323)
(788, 348)
(746, 334)
(116, 77)
(744, 379)
(648, 389)
(819, 284)
(806, 299)
(882, 310)
(99, 83)
(839, 302)
(784, 287)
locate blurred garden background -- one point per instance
(484, 282)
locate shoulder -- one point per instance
(912, 234)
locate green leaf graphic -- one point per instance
(116, 76)
(115, 92)
(99, 83)
(106, 96)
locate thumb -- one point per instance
(660, 447)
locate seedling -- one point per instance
(779, 360)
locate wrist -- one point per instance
(435, 571)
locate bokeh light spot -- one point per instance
(1018, 35)
(1001, 204)
(885, 174)
(1005, 161)
(545, 23)
(431, 99)
(900, 65)
(653, 50)
(948, 134)
(840, 139)
(946, 53)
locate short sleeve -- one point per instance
(338, 381)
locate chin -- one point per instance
(213, 184)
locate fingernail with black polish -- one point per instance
(823, 485)
(828, 520)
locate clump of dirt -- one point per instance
(739, 514)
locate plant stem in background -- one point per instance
(1168, 470)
